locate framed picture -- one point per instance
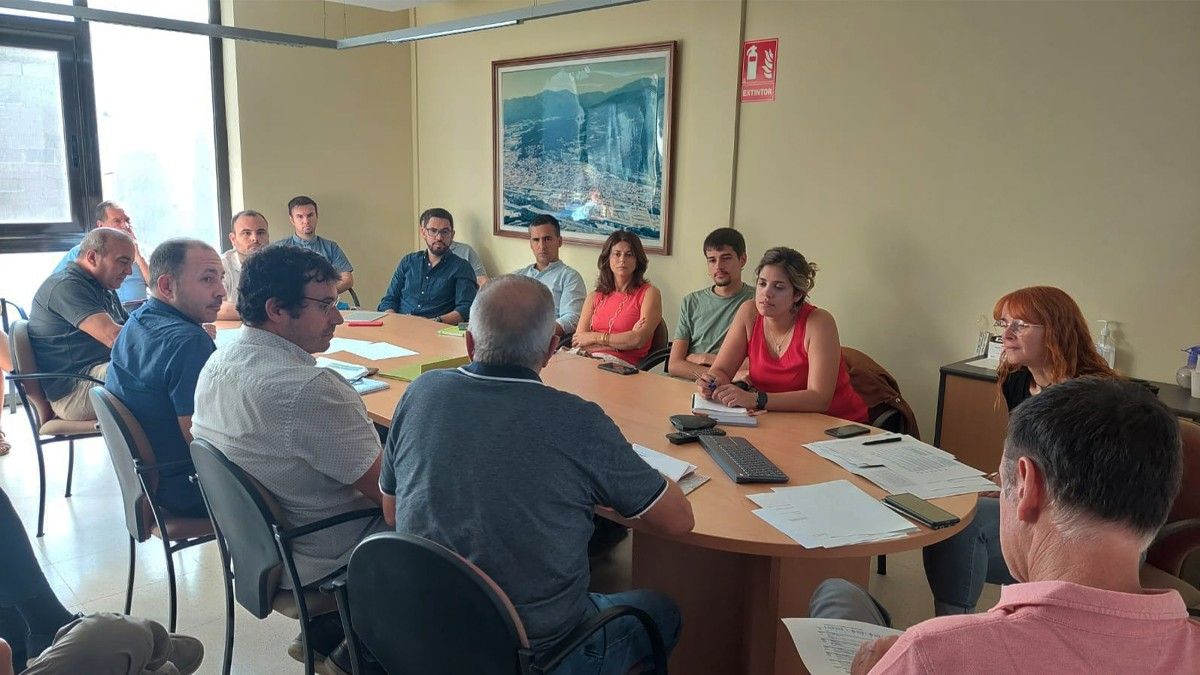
(586, 138)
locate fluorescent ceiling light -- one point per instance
(453, 31)
(443, 28)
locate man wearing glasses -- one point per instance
(300, 430)
(434, 283)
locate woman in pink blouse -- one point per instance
(620, 317)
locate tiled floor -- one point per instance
(85, 556)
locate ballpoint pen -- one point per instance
(881, 441)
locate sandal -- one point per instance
(5, 446)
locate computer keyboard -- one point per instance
(742, 461)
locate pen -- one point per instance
(881, 441)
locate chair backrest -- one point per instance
(421, 608)
(879, 390)
(1187, 504)
(5, 318)
(242, 514)
(659, 340)
(127, 445)
(25, 363)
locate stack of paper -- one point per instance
(831, 514)
(723, 414)
(361, 315)
(355, 374)
(412, 371)
(677, 470)
(906, 465)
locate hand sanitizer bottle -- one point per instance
(1183, 376)
(1104, 345)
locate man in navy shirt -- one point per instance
(158, 356)
(434, 283)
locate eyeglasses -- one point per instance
(440, 234)
(324, 305)
(1018, 327)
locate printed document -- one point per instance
(828, 646)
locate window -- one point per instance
(93, 111)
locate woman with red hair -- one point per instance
(1046, 341)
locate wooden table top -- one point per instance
(640, 405)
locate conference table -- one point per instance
(733, 576)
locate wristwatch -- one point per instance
(762, 400)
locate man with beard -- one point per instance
(705, 315)
(157, 358)
(248, 234)
(434, 283)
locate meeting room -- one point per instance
(758, 337)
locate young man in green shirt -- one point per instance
(705, 315)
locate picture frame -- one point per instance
(586, 137)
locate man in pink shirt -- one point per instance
(1090, 470)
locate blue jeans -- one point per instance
(957, 567)
(623, 643)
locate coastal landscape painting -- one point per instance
(585, 137)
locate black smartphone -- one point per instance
(619, 368)
(920, 510)
(847, 431)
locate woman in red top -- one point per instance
(623, 312)
(795, 356)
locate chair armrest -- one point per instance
(53, 376)
(560, 651)
(149, 468)
(1172, 545)
(290, 534)
(654, 358)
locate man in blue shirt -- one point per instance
(302, 212)
(433, 283)
(565, 283)
(133, 289)
(158, 356)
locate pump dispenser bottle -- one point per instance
(1105, 346)
(1183, 376)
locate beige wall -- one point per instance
(336, 126)
(454, 131)
(934, 156)
(930, 156)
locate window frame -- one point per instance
(72, 41)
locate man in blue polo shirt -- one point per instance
(158, 356)
(110, 214)
(302, 212)
(434, 283)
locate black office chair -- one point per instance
(660, 349)
(419, 607)
(354, 297)
(137, 474)
(10, 398)
(46, 426)
(256, 547)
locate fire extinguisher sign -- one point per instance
(760, 63)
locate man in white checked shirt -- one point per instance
(301, 431)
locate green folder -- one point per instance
(452, 331)
(412, 371)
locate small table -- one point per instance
(972, 418)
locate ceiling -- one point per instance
(385, 5)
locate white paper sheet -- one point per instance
(378, 351)
(341, 344)
(361, 315)
(828, 646)
(825, 515)
(351, 371)
(672, 468)
(224, 337)
(699, 403)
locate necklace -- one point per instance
(777, 344)
(613, 317)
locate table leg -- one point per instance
(732, 603)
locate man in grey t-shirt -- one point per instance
(705, 315)
(514, 491)
(76, 318)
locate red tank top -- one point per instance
(617, 312)
(789, 372)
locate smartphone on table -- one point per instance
(923, 512)
(619, 368)
(847, 431)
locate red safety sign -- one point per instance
(760, 63)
